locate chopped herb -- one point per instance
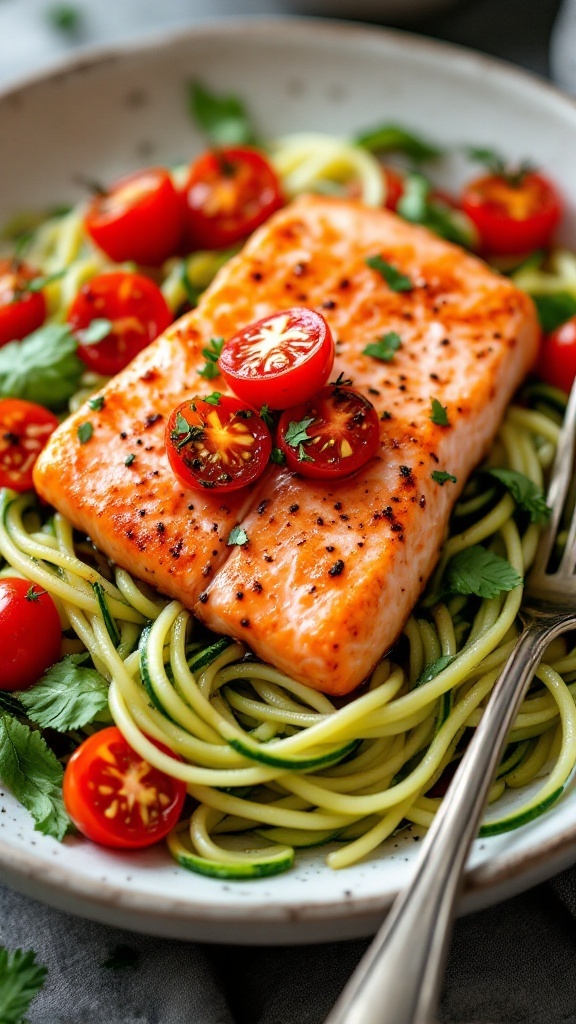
(211, 354)
(302, 456)
(34, 775)
(394, 137)
(277, 457)
(21, 979)
(185, 432)
(496, 164)
(129, 459)
(478, 571)
(237, 536)
(44, 367)
(65, 18)
(433, 670)
(342, 382)
(297, 432)
(97, 403)
(384, 348)
(214, 398)
(439, 414)
(555, 309)
(441, 477)
(85, 431)
(267, 416)
(394, 278)
(418, 206)
(122, 958)
(68, 696)
(97, 330)
(223, 118)
(525, 492)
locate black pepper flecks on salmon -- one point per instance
(338, 567)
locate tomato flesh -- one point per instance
(217, 447)
(512, 218)
(279, 360)
(24, 430)
(229, 192)
(141, 218)
(30, 633)
(136, 309)
(342, 433)
(115, 797)
(21, 310)
(557, 360)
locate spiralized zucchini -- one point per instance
(273, 765)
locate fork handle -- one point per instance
(399, 978)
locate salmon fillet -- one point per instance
(330, 572)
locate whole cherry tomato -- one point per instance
(512, 216)
(24, 430)
(331, 436)
(21, 310)
(137, 312)
(280, 360)
(30, 633)
(140, 218)
(557, 361)
(115, 797)
(229, 192)
(220, 445)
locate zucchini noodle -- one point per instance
(272, 765)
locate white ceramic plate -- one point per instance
(120, 109)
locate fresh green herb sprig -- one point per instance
(21, 979)
(211, 353)
(385, 347)
(224, 119)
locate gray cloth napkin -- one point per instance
(511, 964)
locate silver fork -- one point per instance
(398, 980)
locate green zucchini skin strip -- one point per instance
(263, 756)
(276, 865)
(496, 828)
(104, 611)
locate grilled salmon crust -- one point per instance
(330, 572)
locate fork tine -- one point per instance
(560, 480)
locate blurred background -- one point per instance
(539, 34)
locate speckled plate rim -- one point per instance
(310, 920)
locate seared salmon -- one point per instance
(330, 572)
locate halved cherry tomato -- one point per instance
(331, 436)
(140, 218)
(512, 218)
(115, 797)
(21, 310)
(30, 633)
(221, 446)
(394, 183)
(280, 360)
(229, 192)
(24, 430)
(557, 360)
(136, 308)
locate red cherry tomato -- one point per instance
(24, 430)
(557, 361)
(115, 797)
(512, 218)
(138, 313)
(140, 218)
(280, 360)
(394, 183)
(30, 633)
(21, 311)
(229, 192)
(219, 447)
(330, 436)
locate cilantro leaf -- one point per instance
(211, 353)
(21, 979)
(266, 415)
(434, 669)
(297, 432)
(85, 431)
(43, 368)
(525, 492)
(385, 347)
(395, 279)
(419, 207)
(440, 476)
(439, 414)
(130, 459)
(97, 403)
(277, 457)
(554, 310)
(388, 137)
(302, 456)
(223, 118)
(68, 695)
(478, 571)
(214, 398)
(237, 536)
(31, 771)
(98, 329)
